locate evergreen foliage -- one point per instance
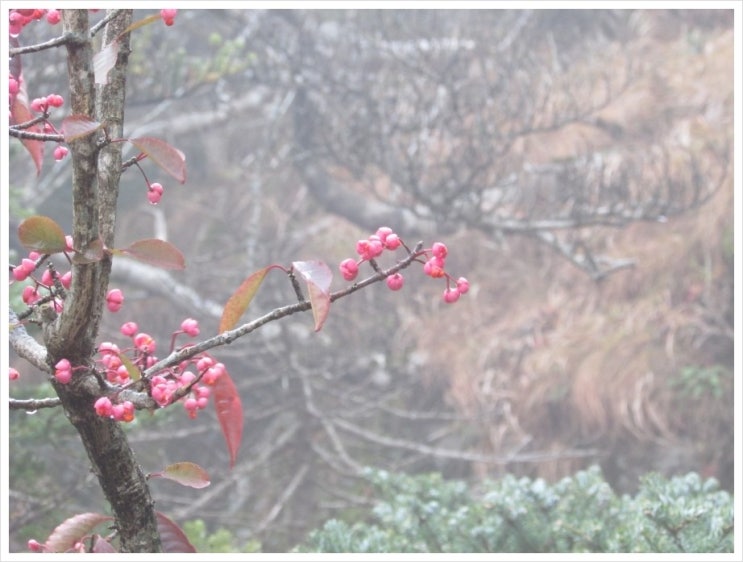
(426, 513)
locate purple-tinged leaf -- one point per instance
(185, 473)
(104, 60)
(21, 113)
(172, 537)
(170, 159)
(318, 277)
(92, 253)
(155, 252)
(73, 530)
(77, 126)
(240, 300)
(42, 234)
(229, 412)
(101, 545)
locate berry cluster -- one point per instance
(433, 260)
(18, 19)
(50, 283)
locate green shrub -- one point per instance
(426, 513)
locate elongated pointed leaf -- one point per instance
(240, 300)
(104, 60)
(140, 23)
(229, 413)
(77, 126)
(318, 277)
(185, 473)
(172, 537)
(134, 373)
(41, 234)
(155, 252)
(72, 530)
(21, 113)
(170, 159)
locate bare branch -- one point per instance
(33, 404)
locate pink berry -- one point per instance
(395, 282)
(114, 300)
(392, 242)
(383, 232)
(35, 546)
(451, 295)
(434, 267)
(55, 100)
(190, 327)
(349, 269)
(144, 343)
(13, 86)
(20, 273)
(66, 280)
(103, 406)
(439, 250)
(168, 16)
(63, 371)
(69, 243)
(129, 328)
(53, 17)
(13, 374)
(30, 294)
(60, 152)
(154, 193)
(463, 285)
(39, 105)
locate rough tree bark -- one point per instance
(72, 334)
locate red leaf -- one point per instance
(185, 473)
(240, 299)
(104, 60)
(229, 412)
(318, 277)
(41, 234)
(76, 126)
(155, 252)
(170, 159)
(20, 113)
(74, 529)
(172, 537)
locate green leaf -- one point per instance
(155, 252)
(240, 300)
(170, 159)
(185, 473)
(134, 373)
(318, 277)
(42, 234)
(77, 126)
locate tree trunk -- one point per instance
(72, 335)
